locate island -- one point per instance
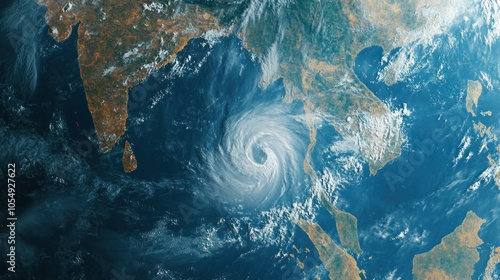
(129, 161)
(493, 261)
(474, 90)
(455, 256)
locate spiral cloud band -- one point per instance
(259, 157)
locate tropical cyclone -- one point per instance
(119, 44)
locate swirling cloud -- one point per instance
(258, 158)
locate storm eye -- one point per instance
(258, 154)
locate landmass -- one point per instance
(346, 224)
(337, 261)
(474, 90)
(119, 44)
(299, 263)
(484, 130)
(496, 169)
(493, 261)
(312, 47)
(129, 161)
(497, 175)
(455, 256)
